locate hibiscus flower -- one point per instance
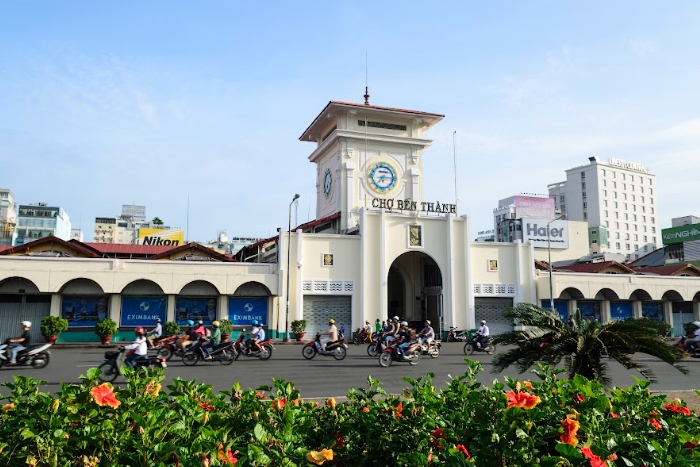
(104, 395)
(463, 450)
(227, 456)
(278, 404)
(570, 429)
(522, 400)
(330, 402)
(655, 423)
(675, 408)
(319, 457)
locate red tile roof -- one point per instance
(75, 246)
(317, 222)
(4, 247)
(196, 246)
(670, 270)
(593, 267)
(128, 249)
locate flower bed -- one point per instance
(550, 422)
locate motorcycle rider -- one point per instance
(427, 335)
(188, 338)
(139, 347)
(368, 330)
(329, 335)
(257, 335)
(378, 327)
(201, 330)
(21, 342)
(393, 331)
(405, 338)
(482, 335)
(155, 333)
(212, 340)
(692, 344)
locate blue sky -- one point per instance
(104, 104)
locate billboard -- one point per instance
(620, 310)
(686, 233)
(243, 310)
(142, 311)
(195, 308)
(533, 206)
(84, 310)
(535, 231)
(164, 237)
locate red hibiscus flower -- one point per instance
(655, 423)
(399, 409)
(104, 395)
(596, 461)
(614, 415)
(227, 456)
(339, 441)
(570, 429)
(259, 395)
(690, 445)
(278, 404)
(205, 406)
(463, 450)
(675, 408)
(522, 400)
(579, 398)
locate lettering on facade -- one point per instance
(409, 205)
(159, 241)
(628, 165)
(534, 230)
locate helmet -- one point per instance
(696, 323)
(215, 324)
(332, 321)
(254, 322)
(139, 330)
(26, 324)
(366, 321)
(190, 322)
(200, 322)
(427, 321)
(483, 321)
(157, 320)
(395, 318)
(404, 324)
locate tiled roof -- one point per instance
(314, 223)
(128, 249)
(4, 247)
(541, 265)
(207, 251)
(670, 270)
(76, 246)
(593, 267)
(390, 109)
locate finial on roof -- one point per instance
(366, 96)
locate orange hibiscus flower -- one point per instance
(319, 457)
(104, 395)
(596, 461)
(570, 429)
(522, 400)
(330, 402)
(463, 450)
(278, 404)
(655, 423)
(675, 408)
(227, 456)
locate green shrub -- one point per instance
(53, 325)
(106, 327)
(299, 325)
(171, 327)
(226, 326)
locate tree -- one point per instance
(548, 339)
(157, 221)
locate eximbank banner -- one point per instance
(535, 232)
(686, 233)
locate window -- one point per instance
(584, 194)
(653, 230)
(642, 199)
(614, 194)
(625, 206)
(650, 182)
(607, 224)
(646, 248)
(617, 216)
(644, 218)
(644, 227)
(624, 196)
(651, 210)
(617, 235)
(603, 172)
(563, 207)
(614, 184)
(593, 232)
(614, 174)
(632, 186)
(653, 240)
(653, 221)
(634, 217)
(651, 200)
(627, 246)
(605, 183)
(583, 185)
(617, 225)
(651, 191)
(636, 237)
(615, 202)
(633, 198)
(585, 215)
(623, 176)
(645, 238)
(585, 205)
(627, 236)
(634, 207)
(627, 226)
(631, 178)
(626, 216)
(606, 213)
(641, 189)
(605, 193)
(605, 203)
(617, 245)
(583, 175)
(643, 209)
(624, 186)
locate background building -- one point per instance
(516, 207)
(77, 234)
(682, 241)
(617, 197)
(41, 220)
(8, 217)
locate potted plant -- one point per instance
(171, 327)
(298, 328)
(52, 326)
(106, 328)
(226, 327)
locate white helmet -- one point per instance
(404, 324)
(26, 324)
(697, 323)
(483, 321)
(427, 321)
(395, 318)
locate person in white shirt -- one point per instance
(155, 333)
(482, 335)
(139, 347)
(427, 335)
(329, 335)
(368, 330)
(257, 335)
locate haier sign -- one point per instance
(535, 232)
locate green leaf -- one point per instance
(569, 451)
(520, 433)
(626, 461)
(257, 455)
(93, 373)
(260, 433)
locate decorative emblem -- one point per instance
(328, 259)
(415, 235)
(327, 183)
(382, 177)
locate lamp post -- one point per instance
(549, 262)
(289, 246)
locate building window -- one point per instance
(624, 186)
(633, 198)
(615, 203)
(646, 248)
(645, 238)
(617, 245)
(614, 184)
(627, 226)
(607, 224)
(583, 175)
(643, 209)
(631, 178)
(634, 217)
(605, 203)
(603, 172)
(634, 207)
(653, 230)
(623, 176)
(626, 216)
(614, 174)
(606, 213)
(650, 182)
(636, 237)
(627, 246)
(585, 215)
(584, 194)
(605, 193)
(617, 225)
(653, 221)
(641, 189)
(632, 186)
(651, 210)
(644, 227)
(617, 216)
(642, 199)
(605, 183)
(651, 200)
(614, 194)
(644, 218)
(627, 236)
(653, 240)
(651, 191)
(563, 207)
(585, 205)
(617, 235)
(625, 206)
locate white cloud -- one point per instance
(641, 46)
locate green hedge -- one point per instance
(549, 422)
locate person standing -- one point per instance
(21, 342)
(378, 326)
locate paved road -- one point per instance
(324, 376)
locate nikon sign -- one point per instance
(535, 232)
(161, 237)
(686, 233)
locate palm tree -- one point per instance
(548, 339)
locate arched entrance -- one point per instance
(21, 300)
(414, 290)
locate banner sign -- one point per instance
(408, 205)
(620, 310)
(589, 310)
(81, 311)
(653, 310)
(561, 307)
(142, 311)
(195, 308)
(686, 233)
(533, 206)
(242, 310)
(628, 165)
(163, 237)
(535, 231)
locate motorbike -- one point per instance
(222, 353)
(391, 354)
(456, 335)
(264, 353)
(35, 355)
(114, 359)
(361, 336)
(432, 349)
(377, 345)
(337, 349)
(166, 347)
(681, 344)
(471, 346)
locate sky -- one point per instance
(111, 103)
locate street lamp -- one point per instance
(549, 262)
(289, 245)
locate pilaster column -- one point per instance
(696, 311)
(170, 308)
(668, 313)
(469, 283)
(572, 307)
(448, 316)
(55, 309)
(115, 307)
(605, 311)
(222, 311)
(383, 273)
(637, 309)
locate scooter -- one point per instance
(361, 336)
(432, 349)
(264, 353)
(391, 354)
(377, 345)
(337, 349)
(167, 347)
(114, 359)
(455, 335)
(35, 355)
(222, 353)
(472, 346)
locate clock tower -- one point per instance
(365, 155)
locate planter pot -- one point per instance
(105, 339)
(224, 337)
(51, 339)
(298, 336)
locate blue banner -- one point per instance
(83, 311)
(589, 310)
(242, 310)
(561, 306)
(195, 308)
(653, 310)
(142, 311)
(620, 310)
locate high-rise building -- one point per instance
(618, 200)
(134, 213)
(77, 234)
(517, 207)
(8, 217)
(41, 220)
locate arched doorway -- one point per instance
(21, 300)
(250, 301)
(414, 290)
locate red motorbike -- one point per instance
(166, 347)
(390, 354)
(264, 351)
(361, 336)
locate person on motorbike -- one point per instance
(393, 332)
(368, 330)
(188, 337)
(212, 340)
(201, 330)
(257, 335)
(139, 347)
(404, 337)
(692, 343)
(154, 333)
(329, 335)
(378, 326)
(482, 335)
(427, 335)
(20, 342)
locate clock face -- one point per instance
(382, 177)
(327, 183)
